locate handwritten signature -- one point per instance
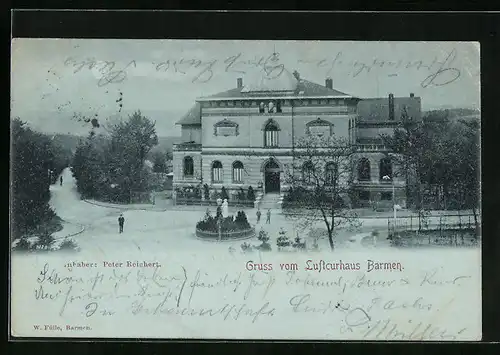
(440, 70)
(250, 297)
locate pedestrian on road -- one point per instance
(60, 180)
(121, 221)
(258, 216)
(268, 220)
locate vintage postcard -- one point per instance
(260, 190)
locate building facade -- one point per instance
(246, 136)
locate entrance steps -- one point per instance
(271, 200)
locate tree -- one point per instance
(318, 178)
(112, 167)
(443, 154)
(89, 168)
(130, 143)
(407, 144)
(159, 162)
(31, 159)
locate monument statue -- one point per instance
(225, 208)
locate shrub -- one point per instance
(246, 247)
(23, 245)
(241, 219)
(241, 195)
(264, 247)
(45, 241)
(68, 245)
(282, 241)
(263, 236)
(317, 233)
(299, 244)
(250, 194)
(206, 192)
(228, 224)
(223, 194)
(197, 192)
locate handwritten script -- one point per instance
(357, 305)
(439, 71)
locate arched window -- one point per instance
(364, 170)
(385, 169)
(331, 174)
(308, 172)
(271, 134)
(237, 172)
(188, 167)
(216, 171)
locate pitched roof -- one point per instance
(377, 109)
(285, 82)
(193, 116)
(284, 85)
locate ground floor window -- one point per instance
(216, 171)
(364, 195)
(386, 196)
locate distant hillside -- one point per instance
(165, 144)
(452, 114)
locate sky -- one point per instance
(54, 79)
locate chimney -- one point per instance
(296, 75)
(329, 83)
(239, 82)
(412, 94)
(391, 107)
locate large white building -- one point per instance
(245, 136)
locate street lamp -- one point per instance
(394, 206)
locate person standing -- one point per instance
(60, 180)
(258, 216)
(268, 220)
(121, 221)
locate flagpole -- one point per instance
(394, 200)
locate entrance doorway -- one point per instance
(272, 177)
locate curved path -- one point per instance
(154, 229)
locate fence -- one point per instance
(226, 235)
(199, 202)
(434, 223)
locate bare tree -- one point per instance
(318, 181)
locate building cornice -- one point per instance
(318, 97)
(282, 114)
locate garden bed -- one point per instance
(198, 202)
(230, 228)
(243, 234)
(436, 238)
